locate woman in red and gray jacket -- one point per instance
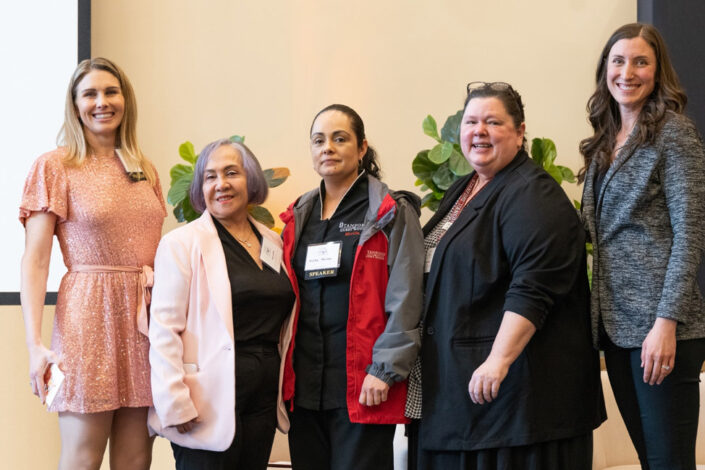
(353, 252)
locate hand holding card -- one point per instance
(53, 377)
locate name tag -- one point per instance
(429, 259)
(322, 260)
(271, 254)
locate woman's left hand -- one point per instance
(658, 351)
(485, 381)
(374, 391)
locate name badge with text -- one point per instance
(322, 260)
(271, 254)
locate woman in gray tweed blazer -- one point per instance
(644, 209)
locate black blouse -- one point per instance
(319, 356)
(261, 298)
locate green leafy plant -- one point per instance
(182, 175)
(437, 168)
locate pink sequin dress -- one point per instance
(103, 218)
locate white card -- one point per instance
(271, 254)
(56, 378)
(429, 259)
(323, 256)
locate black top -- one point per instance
(262, 298)
(319, 356)
(599, 179)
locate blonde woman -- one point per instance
(101, 198)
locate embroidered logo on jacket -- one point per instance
(375, 254)
(350, 227)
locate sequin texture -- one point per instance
(103, 218)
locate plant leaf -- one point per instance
(190, 213)
(179, 171)
(422, 167)
(577, 204)
(458, 164)
(430, 128)
(451, 129)
(554, 172)
(567, 173)
(430, 201)
(187, 152)
(443, 177)
(262, 215)
(440, 153)
(276, 176)
(547, 149)
(179, 190)
(179, 213)
(537, 151)
(237, 138)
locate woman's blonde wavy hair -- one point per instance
(71, 135)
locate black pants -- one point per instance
(327, 440)
(256, 383)
(662, 420)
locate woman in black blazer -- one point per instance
(643, 206)
(509, 375)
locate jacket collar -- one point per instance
(471, 210)
(300, 209)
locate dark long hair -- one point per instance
(369, 161)
(603, 111)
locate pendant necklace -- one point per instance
(245, 242)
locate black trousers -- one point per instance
(662, 420)
(327, 440)
(256, 383)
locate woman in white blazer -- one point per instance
(220, 317)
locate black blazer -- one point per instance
(517, 246)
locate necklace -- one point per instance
(246, 241)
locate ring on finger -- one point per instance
(666, 367)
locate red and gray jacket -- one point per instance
(386, 295)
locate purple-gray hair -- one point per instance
(257, 188)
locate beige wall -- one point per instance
(208, 69)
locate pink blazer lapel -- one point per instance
(216, 270)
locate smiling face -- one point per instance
(488, 137)
(631, 72)
(225, 185)
(100, 104)
(335, 150)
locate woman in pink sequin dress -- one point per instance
(108, 222)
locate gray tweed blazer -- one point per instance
(647, 226)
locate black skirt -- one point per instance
(573, 453)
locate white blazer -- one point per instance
(192, 348)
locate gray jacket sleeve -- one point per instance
(683, 182)
(396, 348)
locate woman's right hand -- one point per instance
(187, 426)
(39, 359)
